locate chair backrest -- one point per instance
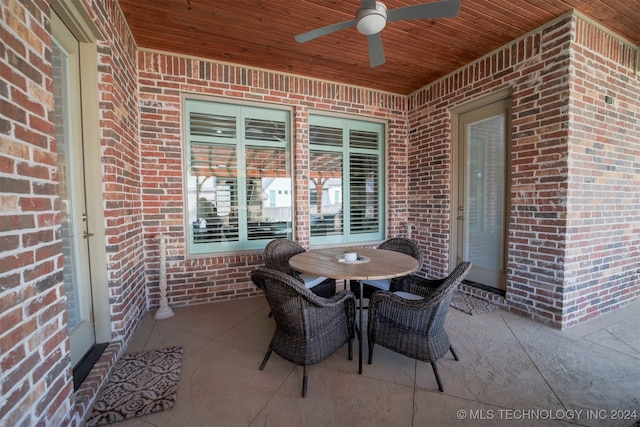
(277, 254)
(441, 298)
(444, 293)
(406, 246)
(287, 297)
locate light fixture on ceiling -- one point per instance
(371, 21)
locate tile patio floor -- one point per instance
(512, 372)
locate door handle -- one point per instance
(86, 234)
(460, 216)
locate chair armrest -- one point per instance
(339, 298)
(342, 295)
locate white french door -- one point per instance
(481, 205)
(75, 234)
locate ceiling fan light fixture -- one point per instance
(371, 21)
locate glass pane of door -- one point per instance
(484, 216)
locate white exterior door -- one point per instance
(481, 204)
(75, 233)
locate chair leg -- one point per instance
(455, 356)
(435, 371)
(350, 345)
(304, 381)
(266, 358)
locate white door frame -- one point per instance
(79, 22)
(457, 189)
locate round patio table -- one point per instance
(373, 264)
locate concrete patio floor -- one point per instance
(512, 371)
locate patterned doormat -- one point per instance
(141, 383)
(470, 304)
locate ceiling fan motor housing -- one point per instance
(371, 21)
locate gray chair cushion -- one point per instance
(384, 284)
(407, 295)
(311, 281)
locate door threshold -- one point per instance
(82, 369)
(486, 288)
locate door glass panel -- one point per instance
(70, 216)
(484, 205)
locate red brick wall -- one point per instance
(163, 78)
(573, 229)
(35, 384)
(602, 261)
(536, 241)
(120, 142)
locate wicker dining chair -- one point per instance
(397, 244)
(309, 328)
(276, 256)
(410, 320)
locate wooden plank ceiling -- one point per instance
(260, 33)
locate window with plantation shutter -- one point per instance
(238, 177)
(346, 184)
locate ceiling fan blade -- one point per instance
(313, 34)
(439, 9)
(376, 52)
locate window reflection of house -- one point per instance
(276, 199)
(330, 200)
(326, 208)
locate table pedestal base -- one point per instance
(360, 318)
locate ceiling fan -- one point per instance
(373, 16)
